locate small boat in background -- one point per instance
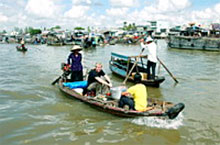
(121, 65)
(19, 48)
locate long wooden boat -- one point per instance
(121, 65)
(194, 43)
(155, 107)
(53, 43)
(19, 48)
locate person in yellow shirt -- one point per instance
(136, 96)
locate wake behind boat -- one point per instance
(107, 104)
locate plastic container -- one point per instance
(116, 92)
(79, 90)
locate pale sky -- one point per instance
(104, 13)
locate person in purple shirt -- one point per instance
(74, 60)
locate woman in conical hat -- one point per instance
(76, 48)
(74, 60)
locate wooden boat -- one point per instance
(53, 43)
(155, 107)
(19, 48)
(121, 65)
(194, 43)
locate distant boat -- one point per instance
(78, 41)
(89, 43)
(194, 43)
(19, 48)
(54, 40)
(121, 65)
(53, 43)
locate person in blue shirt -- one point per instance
(74, 60)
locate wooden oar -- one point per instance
(54, 82)
(167, 70)
(66, 72)
(135, 63)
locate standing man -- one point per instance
(151, 46)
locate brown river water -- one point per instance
(34, 112)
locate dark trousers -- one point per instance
(76, 76)
(150, 65)
(126, 101)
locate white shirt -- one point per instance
(152, 51)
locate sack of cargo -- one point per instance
(74, 85)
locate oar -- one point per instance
(64, 75)
(167, 70)
(54, 82)
(135, 63)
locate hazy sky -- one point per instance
(104, 13)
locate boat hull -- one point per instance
(158, 108)
(21, 49)
(194, 43)
(122, 73)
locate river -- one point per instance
(34, 112)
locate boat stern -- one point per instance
(174, 111)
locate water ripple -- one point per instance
(160, 123)
(32, 111)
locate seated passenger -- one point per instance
(22, 45)
(135, 97)
(98, 81)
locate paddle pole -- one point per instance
(66, 72)
(167, 70)
(135, 63)
(54, 82)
